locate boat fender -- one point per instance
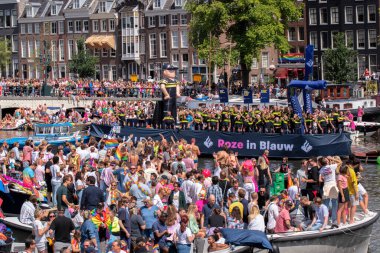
(275, 249)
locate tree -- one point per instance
(251, 25)
(5, 54)
(83, 63)
(340, 62)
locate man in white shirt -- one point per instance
(273, 213)
(27, 211)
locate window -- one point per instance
(97, 52)
(95, 25)
(37, 28)
(333, 38)
(112, 25)
(38, 48)
(46, 28)
(142, 44)
(314, 39)
(360, 36)
(23, 48)
(360, 14)
(85, 25)
(178, 3)
(371, 9)
(323, 16)
(7, 18)
(334, 15)
(175, 43)
(112, 52)
(175, 59)
(372, 43)
(30, 49)
(324, 40)
(292, 34)
(349, 39)
(264, 60)
(105, 72)
(301, 33)
(2, 19)
(61, 50)
(78, 26)
(54, 51)
(14, 43)
(152, 45)
(162, 20)
(104, 52)
(156, 3)
(70, 49)
(30, 28)
(174, 19)
(254, 63)
(53, 27)
(22, 28)
(185, 57)
(104, 25)
(70, 26)
(312, 16)
(128, 22)
(184, 39)
(76, 4)
(372, 63)
(349, 15)
(163, 52)
(102, 7)
(183, 19)
(53, 9)
(114, 73)
(152, 21)
(61, 27)
(14, 18)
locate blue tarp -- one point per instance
(317, 85)
(67, 124)
(244, 237)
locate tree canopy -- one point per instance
(340, 64)
(5, 54)
(83, 63)
(251, 25)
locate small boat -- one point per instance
(368, 156)
(15, 223)
(19, 125)
(54, 134)
(364, 128)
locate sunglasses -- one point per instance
(51, 216)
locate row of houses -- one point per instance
(138, 37)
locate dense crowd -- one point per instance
(121, 196)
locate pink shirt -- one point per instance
(189, 163)
(343, 181)
(27, 153)
(40, 172)
(280, 222)
(360, 112)
(200, 203)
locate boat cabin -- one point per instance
(336, 91)
(52, 129)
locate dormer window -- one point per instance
(157, 4)
(54, 10)
(178, 3)
(29, 11)
(102, 6)
(76, 4)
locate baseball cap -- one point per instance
(169, 66)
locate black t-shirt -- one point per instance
(216, 221)
(70, 193)
(48, 176)
(62, 227)
(62, 190)
(309, 212)
(313, 173)
(262, 199)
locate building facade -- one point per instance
(9, 13)
(357, 19)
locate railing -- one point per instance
(19, 91)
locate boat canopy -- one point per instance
(243, 237)
(66, 124)
(52, 129)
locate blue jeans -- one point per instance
(183, 248)
(55, 186)
(334, 208)
(316, 226)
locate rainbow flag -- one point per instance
(112, 143)
(118, 154)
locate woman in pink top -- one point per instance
(27, 153)
(344, 196)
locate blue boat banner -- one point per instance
(264, 96)
(223, 95)
(247, 96)
(246, 144)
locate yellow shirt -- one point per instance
(115, 227)
(239, 205)
(352, 181)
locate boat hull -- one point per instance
(13, 201)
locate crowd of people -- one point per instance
(121, 196)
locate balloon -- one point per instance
(378, 160)
(206, 173)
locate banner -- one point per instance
(247, 96)
(246, 144)
(264, 96)
(309, 61)
(223, 95)
(307, 100)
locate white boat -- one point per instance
(15, 223)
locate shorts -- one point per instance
(196, 161)
(353, 201)
(41, 246)
(362, 191)
(346, 195)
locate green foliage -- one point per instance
(251, 25)
(5, 53)
(83, 63)
(340, 62)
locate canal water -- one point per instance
(371, 181)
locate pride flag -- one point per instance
(118, 154)
(112, 143)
